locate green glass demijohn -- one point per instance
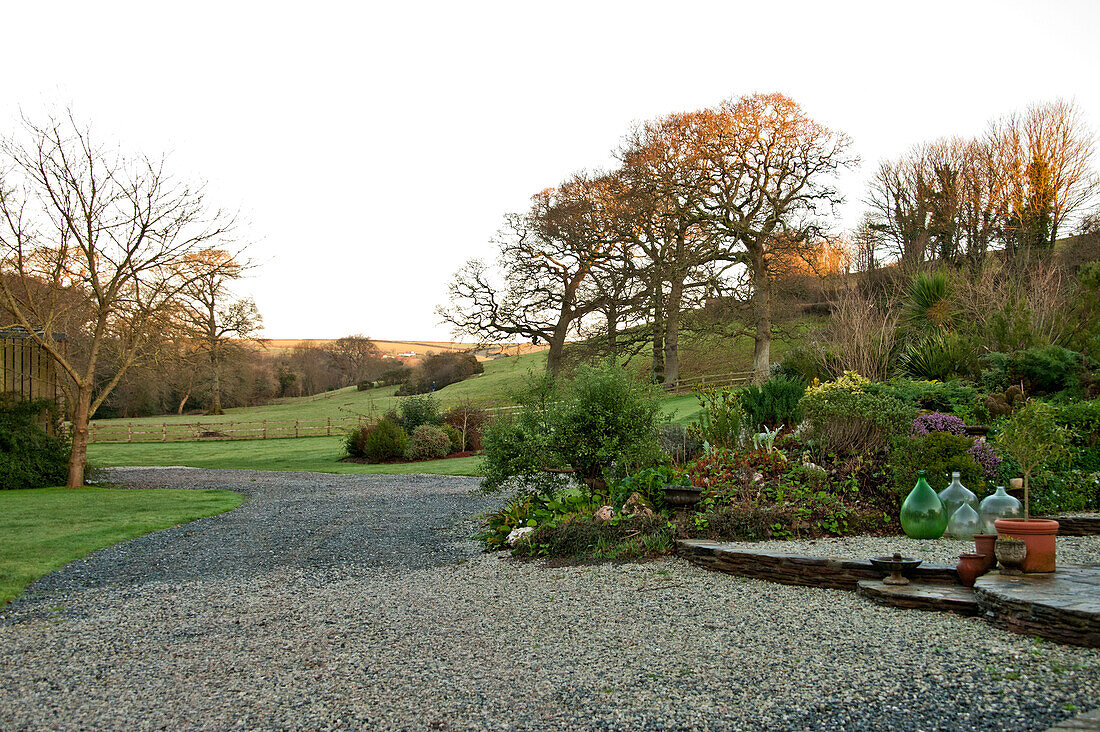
(964, 523)
(997, 506)
(922, 514)
(956, 494)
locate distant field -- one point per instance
(307, 454)
(491, 388)
(394, 348)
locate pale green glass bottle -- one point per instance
(964, 523)
(956, 494)
(922, 514)
(997, 506)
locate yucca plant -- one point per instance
(927, 303)
(939, 356)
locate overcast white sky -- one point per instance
(374, 147)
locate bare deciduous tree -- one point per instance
(222, 323)
(93, 244)
(542, 288)
(768, 170)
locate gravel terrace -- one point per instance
(332, 601)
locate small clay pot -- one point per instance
(983, 544)
(970, 567)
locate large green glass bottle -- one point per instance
(922, 514)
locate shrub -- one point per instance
(850, 419)
(681, 444)
(774, 403)
(601, 424)
(939, 454)
(938, 422)
(802, 362)
(377, 442)
(395, 376)
(1082, 420)
(453, 436)
(720, 422)
(427, 443)
(29, 456)
(440, 370)
(516, 447)
(606, 423)
(1071, 490)
(470, 423)
(418, 410)
(952, 397)
(1043, 369)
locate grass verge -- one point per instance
(43, 529)
(308, 454)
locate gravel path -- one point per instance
(355, 602)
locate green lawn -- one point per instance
(491, 388)
(310, 454)
(46, 528)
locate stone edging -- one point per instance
(788, 569)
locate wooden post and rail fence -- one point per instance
(126, 431)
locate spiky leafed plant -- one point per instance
(927, 303)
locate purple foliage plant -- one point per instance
(938, 422)
(984, 453)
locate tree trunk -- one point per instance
(762, 316)
(658, 369)
(79, 456)
(183, 402)
(613, 330)
(672, 332)
(557, 346)
(216, 385)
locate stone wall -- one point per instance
(788, 569)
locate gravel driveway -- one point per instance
(357, 602)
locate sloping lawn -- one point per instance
(46, 528)
(310, 454)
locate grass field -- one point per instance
(308, 454)
(46, 528)
(491, 388)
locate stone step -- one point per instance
(922, 596)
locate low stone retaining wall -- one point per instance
(788, 569)
(1078, 525)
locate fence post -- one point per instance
(129, 432)
(265, 429)
(164, 432)
(328, 426)
(295, 428)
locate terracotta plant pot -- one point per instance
(970, 567)
(1038, 535)
(983, 544)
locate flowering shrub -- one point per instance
(938, 422)
(986, 456)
